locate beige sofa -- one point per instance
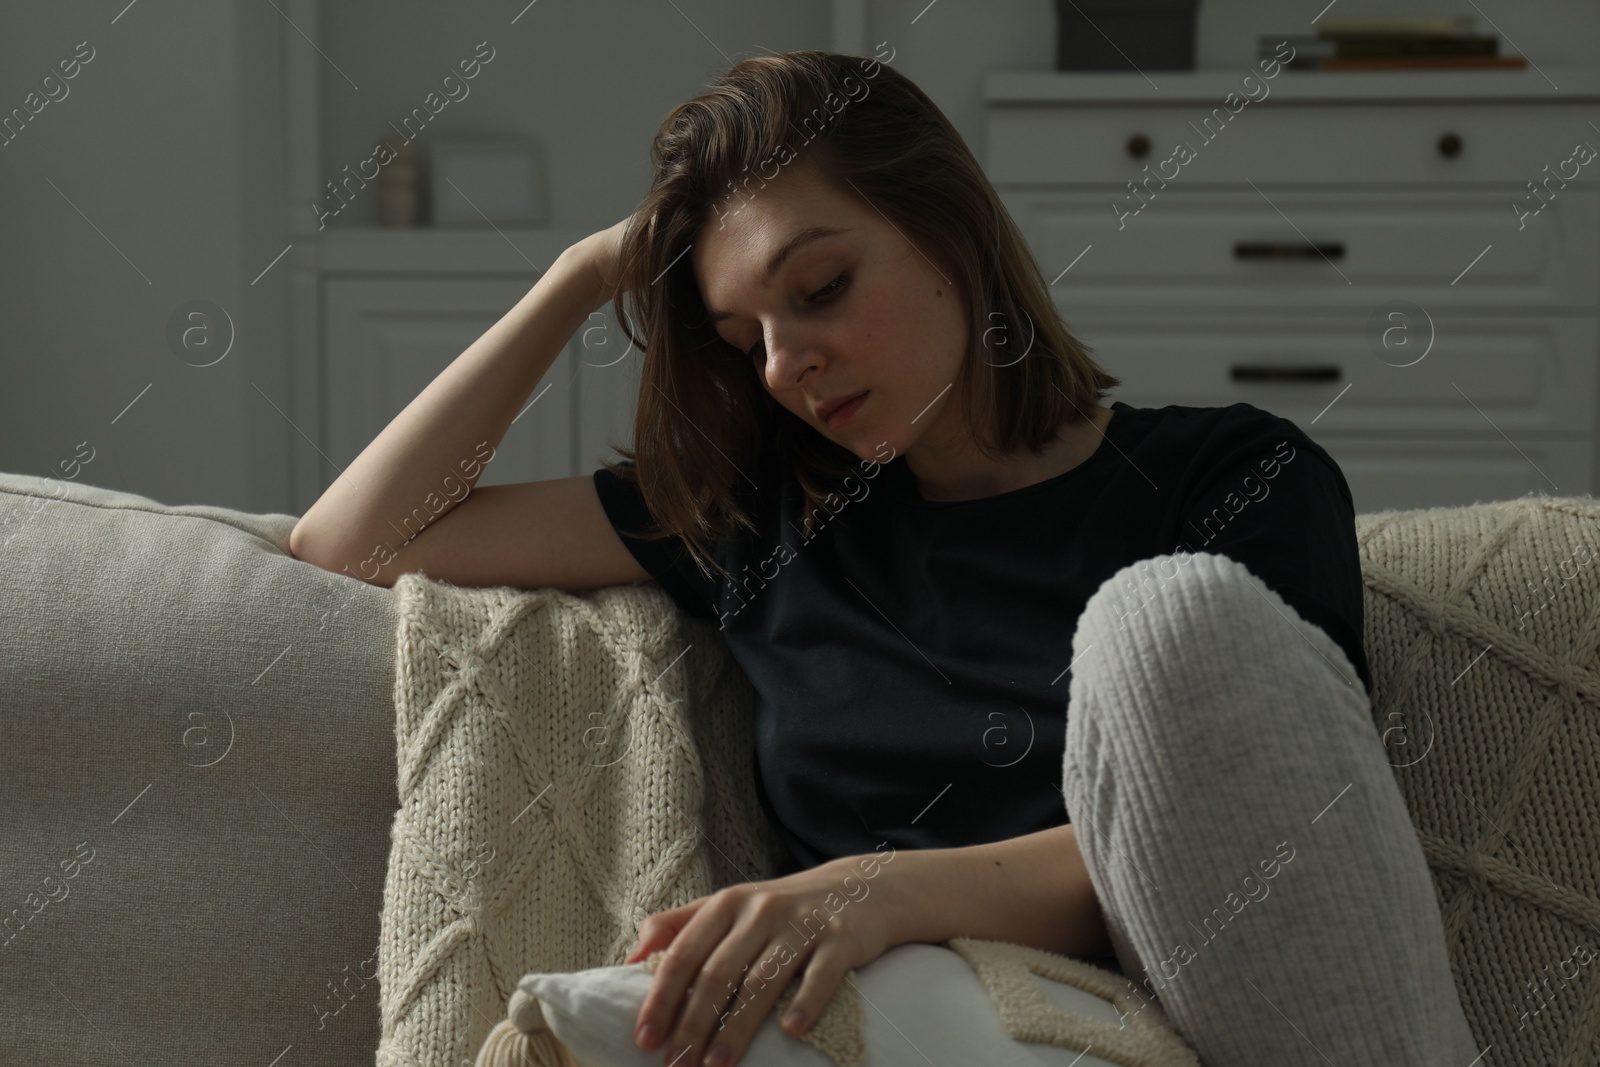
(199, 775)
(201, 728)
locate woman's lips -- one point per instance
(841, 414)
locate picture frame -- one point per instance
(479, 181)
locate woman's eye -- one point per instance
(832, 289)
(823, 295)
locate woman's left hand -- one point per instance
(732, 954)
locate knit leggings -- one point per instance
(1255, 863)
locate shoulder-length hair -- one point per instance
(703, 412)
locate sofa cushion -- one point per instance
(1483, 632)
(568, 765)
(198, 777)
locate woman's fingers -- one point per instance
(739, 991)
(761, 994)
(818, 982)
(658, 930)
(729, 958)
(680, 966)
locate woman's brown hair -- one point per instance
(871, 132)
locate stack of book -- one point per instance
(1417, 43)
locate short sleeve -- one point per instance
(1275, 501)
(668, 559)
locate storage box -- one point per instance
(1125, 34)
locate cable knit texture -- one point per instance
(1483, 634)
(567, 766)
(559, 756)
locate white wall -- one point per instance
(165, 144)
(171, 140)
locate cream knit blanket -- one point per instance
(556, 787)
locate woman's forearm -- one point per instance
(451, 428)
(1031, 890)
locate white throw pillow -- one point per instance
(917, 1003)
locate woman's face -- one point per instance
(855, 311)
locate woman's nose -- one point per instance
(787, 356)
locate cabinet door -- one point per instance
(607, 366)
(386, 339)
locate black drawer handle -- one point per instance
(1269, 372)
(1450, 145)
(1287, 250)
(1138, 146)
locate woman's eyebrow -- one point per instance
(795, 242)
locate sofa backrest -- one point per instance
(198, 776)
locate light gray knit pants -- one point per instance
(1259, 873)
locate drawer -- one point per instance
(1388, 473)
(1484, 375)
(1271, 140)
(1191, 248)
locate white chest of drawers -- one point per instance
(1344, 250)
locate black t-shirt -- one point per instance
(910, 660)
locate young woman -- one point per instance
(1079, 677)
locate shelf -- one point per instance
(1010, 88)
(523, 250)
